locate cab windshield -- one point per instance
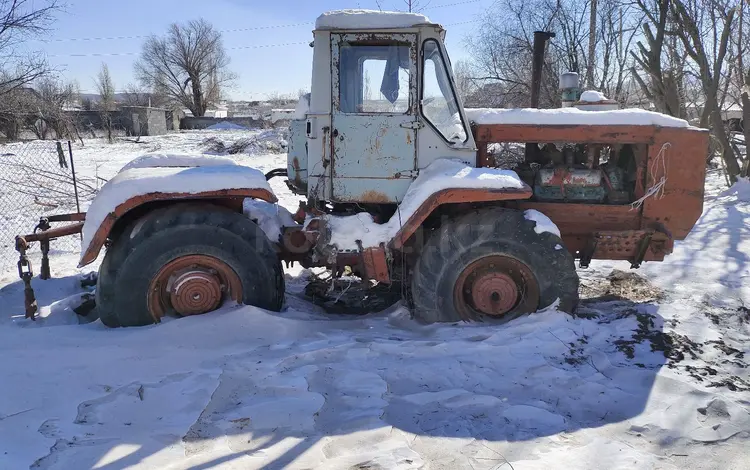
(439, 104)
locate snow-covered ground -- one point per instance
(650, 377)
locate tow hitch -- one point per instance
(43, 233)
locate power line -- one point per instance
(452, 4)
(236, 30)
(115, 54)
(143, 36)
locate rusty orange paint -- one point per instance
(454, 196)
(376, 265)
(297, 176)
(490, 133)
(373, 196)
(227, 197)
(203, 280)
(680, 206)
(53, 233)
(586, 218)
(620, 245)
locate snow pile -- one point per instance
(368, 19)
(441, 174)
(740, 190)
(573, 116)
(269, 217)
(543, 223)
(592, 96)
(226, 126)
(166, 160)
(137, 181)
(303, 107)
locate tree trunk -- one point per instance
(746, 124)
(200, 106)
(592, 46)
(730, 160)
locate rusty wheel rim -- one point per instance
(192, 285)
(495, 285)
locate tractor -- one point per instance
(474, 213)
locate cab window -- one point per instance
(374, 78)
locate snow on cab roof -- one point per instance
(573, 116)
(368, 19)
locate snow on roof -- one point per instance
(441, 174)
(138, 181)
(573, 116)
(368, 19)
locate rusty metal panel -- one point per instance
(370, 190)
(679, 156)
(374, 146)
(587, 218)
(376, 265)
(297, 155)
(564, 133)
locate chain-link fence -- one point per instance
(36, 179)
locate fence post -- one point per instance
(73, 171)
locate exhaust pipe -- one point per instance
(540, 42)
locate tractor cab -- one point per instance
(383, 104)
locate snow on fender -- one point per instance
(138, 185)
(543, 223)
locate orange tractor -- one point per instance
(476, 213)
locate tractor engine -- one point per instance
(584, 173)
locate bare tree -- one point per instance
(416, 5)
(106, 99)
(466, 87)
(412, 6)
(660, 86)
(591, 41)
(136, 95)
(19, 20)
(14, 110)
(743, 47)
(705, 27)
(48, 108)
(189, 65)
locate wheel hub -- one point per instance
(495, 285)
(195, 292)
(494, 293)
(191, 285)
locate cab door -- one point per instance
(374, 118)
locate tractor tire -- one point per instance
(491, 264)
(187, 260)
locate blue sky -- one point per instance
(90, 32)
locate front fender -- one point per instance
(134, 187)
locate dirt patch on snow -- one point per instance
(267, 142)
(621, 285)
